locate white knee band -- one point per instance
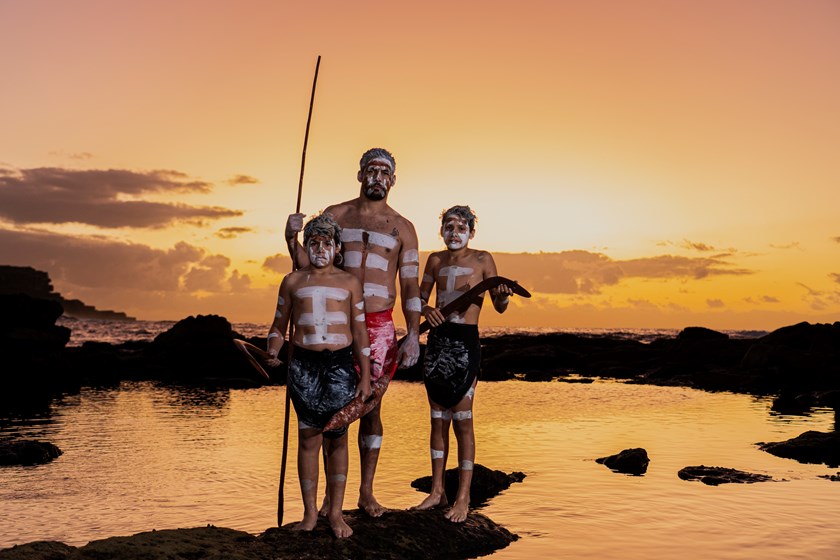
(306, 484)
(442, 414)
(371, 442)
(338, 478)
(465, 465)
(436, 454)
(462, 415)
(470, 393)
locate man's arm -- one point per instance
(294, 224)
(409, 263)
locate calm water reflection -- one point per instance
(142, 457)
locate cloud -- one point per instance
(232, 232)
(103, 198)
(836, 239)
(835, 276)
(239, 282)
(715, 303)
(792, 245)
(278, 263)
(242, 180)
(696, 246)
(207, 275)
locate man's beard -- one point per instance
(374, 193)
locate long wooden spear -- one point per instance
(293, 252)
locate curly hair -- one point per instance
(323, 225)
(463, 212)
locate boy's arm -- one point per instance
(431, 314)
(500, 294)
(294, 224)
(361, 342)
(409, 263)
(277, 331)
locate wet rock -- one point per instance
(714, 476)
(633, 461)
(486, 484)
(27, 452)
(831, 477)
(395, 535)
(808, 447)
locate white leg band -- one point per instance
(442, 414)
(338, 478)
(462, 415)
(465, 465)
(470, 393)
(371, 442)
(306, 484)
(436, 454)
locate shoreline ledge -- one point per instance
(397, 535)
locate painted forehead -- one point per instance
(380, 161)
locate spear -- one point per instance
(293, 252)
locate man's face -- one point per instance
(376, 179)
(456, 232)
(321, 250)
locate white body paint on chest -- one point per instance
(375, 290)
(320, 318)
(353, 259)
(451, 273)
(349, 235)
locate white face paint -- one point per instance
(320, 318)
(456, 233)
(377, 178)
(321, 251)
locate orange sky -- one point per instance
(662, 163)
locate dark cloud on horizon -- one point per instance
(51, 195)
(232, 232)
(114, 265)
(242, 180)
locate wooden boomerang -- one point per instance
(250, 352)
(468, 297)
(357, 408)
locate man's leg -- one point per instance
(309, 443)
(439, 449)
(463, 425)
(336, 469)
(370, 441)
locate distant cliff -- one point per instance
(37, 284)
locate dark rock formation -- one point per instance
(720, 475)
(633, 461)
(808, 447)
(35, 283)
(486, 484)
(396, 535)
(831, 477)
(200, 349)
(27, 452)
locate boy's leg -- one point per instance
(370, 441)
(439, 450)
(463, 425)
(309, 442)
(336, 469)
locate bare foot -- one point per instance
(458, 512)
(339, 527)
(371, 506)
(433, 500)
(325, 507)
(307, 524)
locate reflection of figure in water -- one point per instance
(326, 307)
(453, 352)
(378, 242)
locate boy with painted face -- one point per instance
(378, 244)
(327, 308)
(453, 352)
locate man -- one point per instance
(325, 304)
(453, 352)
(378, 243)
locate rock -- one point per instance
(831, 477)
(701, 333)
(486, 484)
(808, 447)
(720, 475)
(633, 461)
(27, 452)
(395, 535)
(198, 348)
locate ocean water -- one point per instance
(141, 456)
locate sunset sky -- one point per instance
(633, 163)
